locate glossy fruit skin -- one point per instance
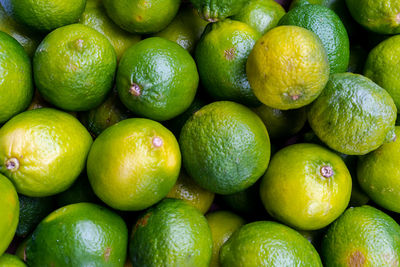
(74, 67)
(222, 224)
(295, 190)
(221, 56)
(29, 40)
(266, 243)
(288, 67)
(16, 85)
(45, 15)
(328, 27)
(380, 16)
(9, 212)
(185, 30)
(142, 17)
(80, 234)
(353, 115)
(379, 176)
(362, 236)
(134, 164)
(187, 189)
(225, 147)
(8, 260)
(50, 148)
(142, 68)
(382, 66)
(262, 15)
(213, 11)
(95, 16)
(172, 233)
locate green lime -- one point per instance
(380, 16)
(139, 16)
(28, 39)
(21, 249)
(382, 66)
(265, 243)
(134, 164)
(353, 115)
(16, 86)
(379, 175)
(172, 233)
(328, 27)
(74, 67)
(45, 15)
(262, 15)
(185, 30)
(306, 186)
(187, 189)
(282, 123)
(31, 211)
(225, 147)
(157, 78)
(214, 11)
(9, 212)
(82, 234)
(288, 67)
(43, 151)
(362, 236)
(95, 16)
(221, 56)
(222, 224)
(8, 260)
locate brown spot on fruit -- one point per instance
(230, 53)
(356, 259)
(143, 221)
(135, 89)
(107, 254)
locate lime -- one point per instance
(43, 151)
(74, 67)
(8, 260)
(225, 147)
(134, 164)
(288, 67)
(214, 11)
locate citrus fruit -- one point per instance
(353, 115)
(221, 56)
(80, 191)
(281, 123)
(138, 16)
(379, 174)
(186, 189)
(43, 151)
(82, 234)
(105, 115)
(21, 249)
(45, 15)
(222, 224)
(382, 67)
(8, 260)
(157, 78)
(185, 29)
(96, 17)
(381, 16)
(328, 27)
(134, 164)
(288, 67)
(265, 243)
(31, 211)
(28, 39)
(362, 236)
(306, 186)
(16, 86)
(225, 147)
(74, 67)
(262, 15)
(172, 233)
(214, 11)
(9, 212)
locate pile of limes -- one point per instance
(199, 133)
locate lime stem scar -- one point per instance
(135, 89)
(12, 164)
(326, 171)
(157, 142)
